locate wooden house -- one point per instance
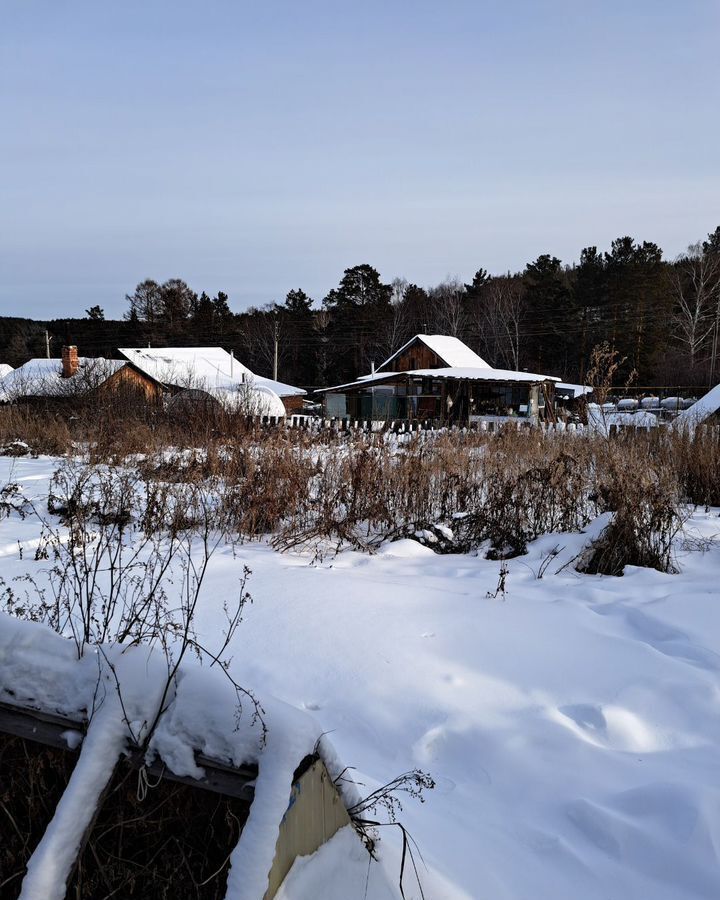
(213, 376)
(440, 379)
(67, 378)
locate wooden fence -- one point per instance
(318, 425)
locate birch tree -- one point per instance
(695, 285)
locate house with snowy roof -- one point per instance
(436, 377)
(213, 376)
(66, 378)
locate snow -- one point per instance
(292, 736)
(484, 374)
(124, 686)
(471, 374)
(141, 678)
(248, 397)
(340, 870)
(5, 369)
(197, 721)
(43, 377)
(451, 350)
(200, 367)
(600, 420)
(563, 388)
(40, 669)
(572, 728)
(263, 400)
(202, 717)
(460, 362)
(701, 410)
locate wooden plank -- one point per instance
(47, 728)
(44, 728)
(315, 813)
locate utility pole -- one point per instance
(275, 359)
(47, 343)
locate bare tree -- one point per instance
(497, 317)
(695, 284)
(449, 298)
(397, 326)
(146, 301)
(399, 289)
(321, 322)
(263, 327)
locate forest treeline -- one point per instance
(662, 316)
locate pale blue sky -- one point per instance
(258, 147)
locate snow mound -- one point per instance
(339, 870)
(125, 687)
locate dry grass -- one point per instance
(460, 491)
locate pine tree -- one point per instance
(360, 286)
(298, 303)
(221, 306)
(176, 301)
(550, 316)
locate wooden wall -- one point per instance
(416, 356)
(293, 404)
(129, 379)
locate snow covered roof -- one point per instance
(43, 378)
(602, 418)
(466, 373)
(200, 367)
(450, 350)
(250, 398)
(701, 410)
(573, 390)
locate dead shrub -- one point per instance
(696, 459)
(643, 493)
(461, 490)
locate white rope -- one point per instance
(144, 784)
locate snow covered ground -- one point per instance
(572, 727)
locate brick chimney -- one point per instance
(70, 363)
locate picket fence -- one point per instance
(317, 425)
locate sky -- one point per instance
(259, 147)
